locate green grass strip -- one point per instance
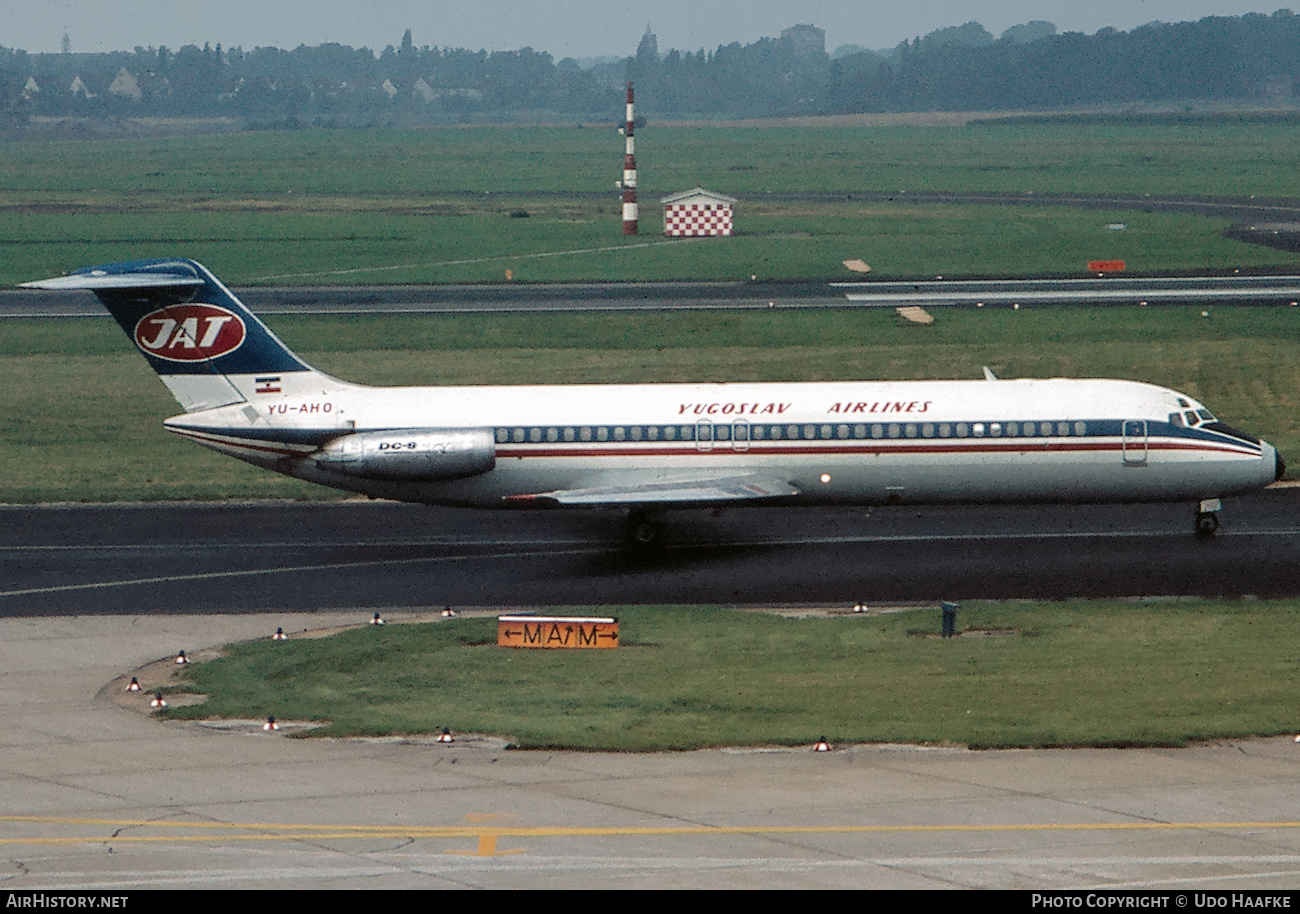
(1088, 673)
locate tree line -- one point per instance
(1251, 59)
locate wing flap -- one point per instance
(676, 491)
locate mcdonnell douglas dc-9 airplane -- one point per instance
(650, 447)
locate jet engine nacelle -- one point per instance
(411, 453)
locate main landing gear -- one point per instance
(643, 531)
(1207, 518)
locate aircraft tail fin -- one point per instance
(205, 344)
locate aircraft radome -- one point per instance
(650, 447)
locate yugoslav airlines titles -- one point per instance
(778, 409)
(647, 448)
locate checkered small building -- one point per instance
(697, 212)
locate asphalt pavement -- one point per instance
(233, 558)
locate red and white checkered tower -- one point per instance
(629, 173)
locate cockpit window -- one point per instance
(1175, 418)
(1193, 417)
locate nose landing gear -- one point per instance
(1207, 518)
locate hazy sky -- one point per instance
(565, 28)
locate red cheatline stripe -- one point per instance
(765, 449)
(237, 443)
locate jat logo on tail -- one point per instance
(190, 333)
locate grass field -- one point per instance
(1061, 674)
(81, 413)
(436, 205)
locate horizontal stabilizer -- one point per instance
(655, 490)
(99, 279)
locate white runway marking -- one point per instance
(456, 263)
(214, 575)
(439, 865)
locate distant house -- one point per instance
(697, 213)
(423, 90)
(79, 88)
(126, 85)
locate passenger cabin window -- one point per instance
(742, 431)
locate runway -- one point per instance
(131, 559)
(678, 296)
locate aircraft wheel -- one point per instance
(644, 532)
(1207, 524)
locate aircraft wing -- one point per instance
(651, 490)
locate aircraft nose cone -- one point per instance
(1281, 466)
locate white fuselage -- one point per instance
(854, 442)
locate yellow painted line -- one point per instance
(277, 831)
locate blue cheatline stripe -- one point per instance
(885, 436)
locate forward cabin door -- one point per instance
(1135, 442)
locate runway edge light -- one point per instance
(822, 745)
(279, 634)
(270, 725)
(157, 701)
(445, 736)
(133, 685)
(181, 658)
